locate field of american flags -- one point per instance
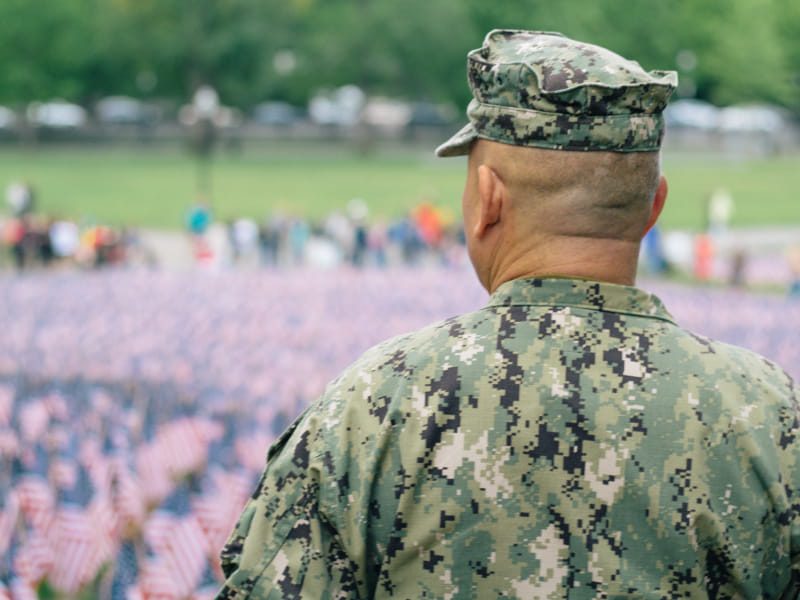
(136, 407)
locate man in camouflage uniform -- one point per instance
(568, 439)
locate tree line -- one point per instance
(726, 51)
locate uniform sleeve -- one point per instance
(283, 546)
(789, 443)
(786, 437)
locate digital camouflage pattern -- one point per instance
(542, 89)
(567, 440)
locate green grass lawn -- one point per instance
(154, 187)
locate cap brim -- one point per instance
(459, 144)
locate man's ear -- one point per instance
(491, 197)
(658, 204)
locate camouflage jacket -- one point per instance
(568, 440)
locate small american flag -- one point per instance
(127, 498)
(186, 554)
(156, 582)
(33, 420)
(36, 501)
(77, 556)
(9, 515)
(154, 477)
(6, 404)
(218, 511)
(33, 559)
(105, 524)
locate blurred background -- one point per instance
(210, 207)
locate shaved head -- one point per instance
(604, 195)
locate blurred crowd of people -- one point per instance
(426, 235)
(38, 240)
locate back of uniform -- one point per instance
(567, 440)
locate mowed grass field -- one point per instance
(154, 187)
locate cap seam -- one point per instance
(593, 84)
(626, 116)
(477, 58)
(513, 30)
(564, 147)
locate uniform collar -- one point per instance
(578, 293)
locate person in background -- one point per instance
(738, 275)
(655, 259)
(719, 212)
(20, 198)
(14, 234)
(794, 270)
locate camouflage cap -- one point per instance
(542, 89)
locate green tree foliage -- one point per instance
(44, 49)
(413, 48)
(727, 51)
